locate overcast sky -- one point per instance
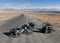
(29, 4)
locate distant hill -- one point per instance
(30, 10)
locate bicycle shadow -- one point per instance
(7, 34)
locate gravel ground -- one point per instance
(36, 37)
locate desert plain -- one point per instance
(50, 17)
